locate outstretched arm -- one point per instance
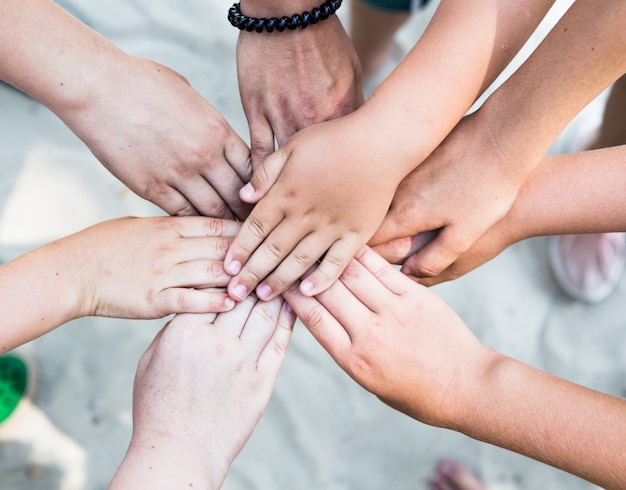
(400, 341)
(140, 119)
(334, 181)
(123, 268)
(200, 390)
(565, 194)
(472, 179)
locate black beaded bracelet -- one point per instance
(241, 22)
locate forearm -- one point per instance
(579, 58)
(50, 55)
(38, 292)
(464, 48)
(164, 465)
(531, 412)
(277, 8)
(568, 194)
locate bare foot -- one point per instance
(450, 475)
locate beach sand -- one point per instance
(321, 430)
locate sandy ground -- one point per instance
(321, 430)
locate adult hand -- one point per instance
(200, 390)
(164, 141)
(294, 79)
(330, 197)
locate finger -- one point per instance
(199, 274)
(334, 262)
(320, 322)
(191, 227)
(233, 321)
(228, 191)
(237, 154)
(399, 250)
(261, 324)
(204, 198)
(350, 307)
(173, 202)
(284, 128)
(395, 251)
(437, 255)
(301, 259)
(396, 224)
(384, 273)
(273, 354)
(187, 300)
(264, 177)
(210, 248)
(264, 260)
(364, 285)
(261, 140)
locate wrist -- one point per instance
(165, 454)
(277, 8)
(473, 390)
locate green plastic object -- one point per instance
(13, 384)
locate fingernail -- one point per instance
(229, 303)
(263, 291)
(306, 287)
(247, 191)
(240, 291)
(233, 267)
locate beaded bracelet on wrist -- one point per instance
(243, 22)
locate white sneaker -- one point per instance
(588, 267)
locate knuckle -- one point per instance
(273, 250)
(216, 208)
(221, 246)
(313, 318)
(182, 301)
(303, 259)
(266, 312)
(252, 276)
(215, 269)
(426, 269)
(256, 226)
(351, 270)
(215, 227)
(261, 177)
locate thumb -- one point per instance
(264, 177)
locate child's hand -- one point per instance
(394, 337)
(461, 190)
(152, 267)
(200, 390)
(334, 190)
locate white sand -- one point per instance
(321, 430)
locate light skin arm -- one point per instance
(143, 121)
(124, 268)
(472, 179)
(333, 182)
(566, 194)
(289, 80)
(432, 368)
(200, 390)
